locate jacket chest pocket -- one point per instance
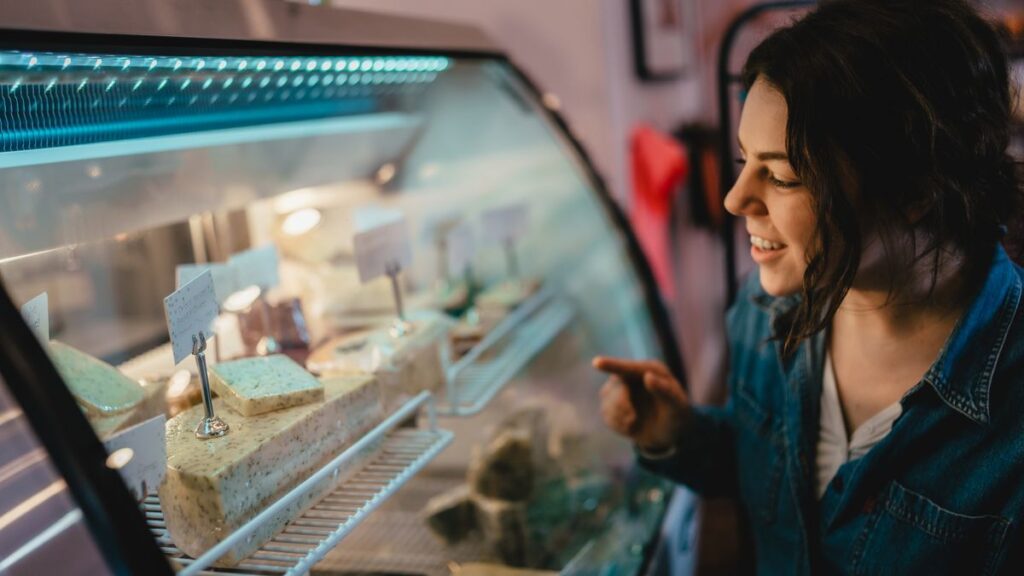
(910, 534)
(760, 457)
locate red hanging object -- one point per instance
(659, 163)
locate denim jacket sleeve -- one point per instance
(705, 455)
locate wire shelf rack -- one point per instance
(478, 377)
(398, 453)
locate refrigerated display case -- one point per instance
(446, 416)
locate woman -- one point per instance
(876, 413)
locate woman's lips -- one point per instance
(764, 250)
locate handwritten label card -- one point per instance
(37, 315)
(506, 224)
(224, 282)
(190, 311)
(382, 247)
(258, 267)
(140, 455)
(460, 249)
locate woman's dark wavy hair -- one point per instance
(910, 100)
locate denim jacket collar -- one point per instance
(963, 373)
(962, 376)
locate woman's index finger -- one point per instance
(625, 367)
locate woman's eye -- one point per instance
(781, 183)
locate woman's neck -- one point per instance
(902, 331)
(882, 345)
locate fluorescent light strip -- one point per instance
(264, 133)
(31, 503)
(37, 541)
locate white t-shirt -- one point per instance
(834, 447)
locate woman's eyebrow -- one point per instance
(764, 156)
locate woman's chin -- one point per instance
(779, 285)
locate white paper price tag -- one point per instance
(382, 248)
(190, 311)
(506, 224)
(224, 283)
(461, 249)
(140, 455)
(256, 267)
(36, 313)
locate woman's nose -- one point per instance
(744, 197)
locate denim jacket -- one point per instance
(943, 493)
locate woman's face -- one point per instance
(776, 205)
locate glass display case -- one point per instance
(411, 264)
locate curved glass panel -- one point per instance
(120, 173)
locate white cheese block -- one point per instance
(404, 365)
(259, 385)
(215, 486)
(100, 389)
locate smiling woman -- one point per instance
(874, 422)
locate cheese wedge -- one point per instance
(215, 486)
(100, 389)
(259, 385)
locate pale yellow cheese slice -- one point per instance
(259, 385)
(100, 389)
(214, 486)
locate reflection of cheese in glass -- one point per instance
(178, 384)
(299, 222)
(257, 385)
(242, 299)
(119, 458)
(99, 388)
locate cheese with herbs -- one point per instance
(215, 486)
(100, 389)
(259, 385)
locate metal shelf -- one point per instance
(398, 454)
(475, 379)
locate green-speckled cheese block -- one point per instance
(100, 389)
(404, 366)
(259, 385)
(214, 486)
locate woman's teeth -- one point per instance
(765, 244)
